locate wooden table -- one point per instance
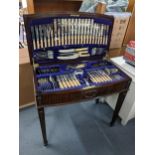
(26, 92)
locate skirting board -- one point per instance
(26, 105)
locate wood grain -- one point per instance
(130, 33)
(37, 6)
(30, 6)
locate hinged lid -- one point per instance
(70, 36)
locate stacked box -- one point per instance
(121, 20)
(129, 54)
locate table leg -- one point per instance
(41, 114)
(97, 101)
(119, 103)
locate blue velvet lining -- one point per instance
(88, 67)
(49, 20)
(57, 48)
(62, 67)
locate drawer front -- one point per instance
(117, 87)
(62, 98)
(57, 98)
(89, 94)
(75, 96)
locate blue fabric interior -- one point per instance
(63, 70)
(49, 20)
(56, 53)
(63, 67)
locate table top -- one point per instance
(128, 69)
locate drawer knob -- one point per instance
(90, 94)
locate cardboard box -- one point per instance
(121, 21)
(26, 90)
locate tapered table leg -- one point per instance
(118, 106)
(41, 114)
(97, 101)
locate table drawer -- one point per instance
(78, 95)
